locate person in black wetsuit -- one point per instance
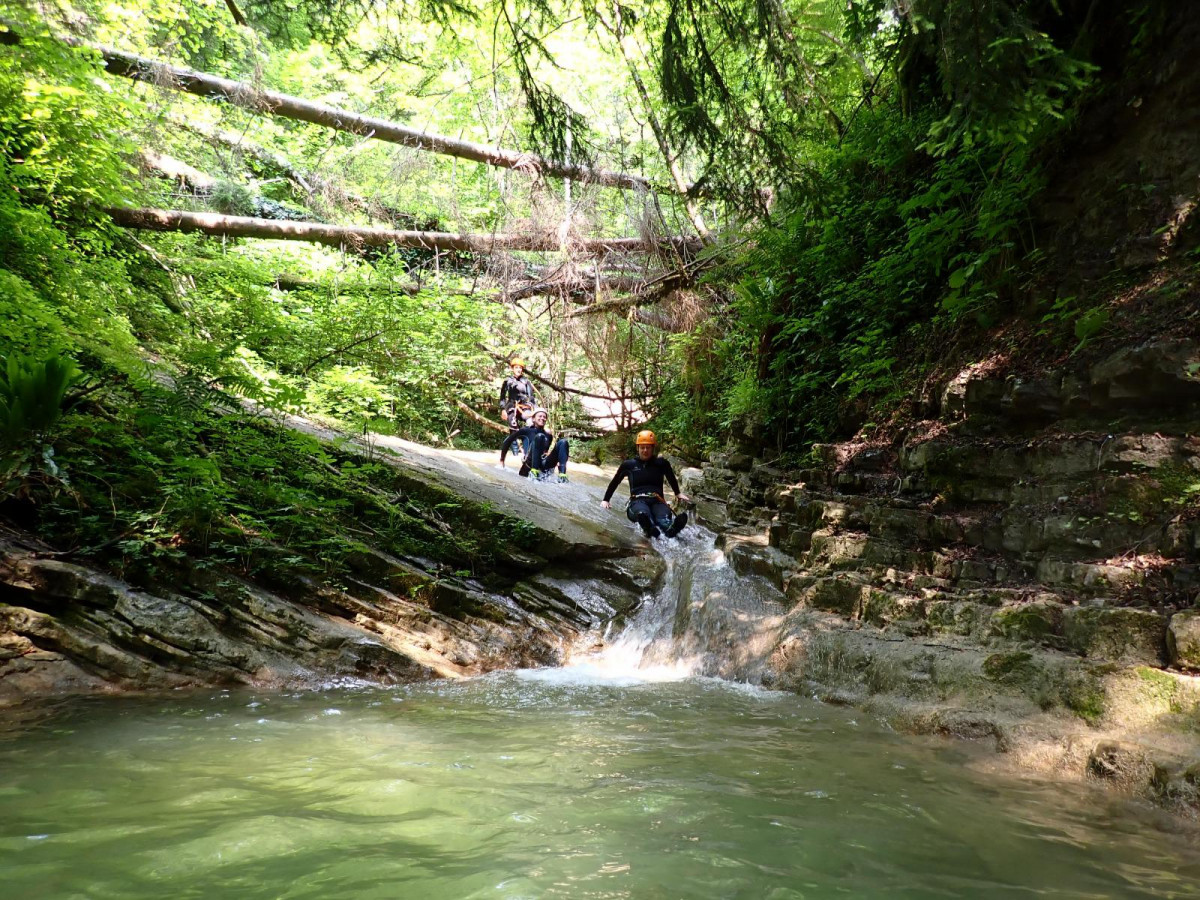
(646, 473)
(543, 453)
(516, 396)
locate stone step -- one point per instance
(1062, 566)
(1053, 458)
(1097, 630)
(1018, 530)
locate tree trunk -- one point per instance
(311, 183)
(351, 236)
(177, 170)
(576, 288)
(482, 420)
(140, 68)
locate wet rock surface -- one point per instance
(564, 566)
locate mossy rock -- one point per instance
(1009, 668)
(1183, 639)
(1038, 622)
(882, 608)
(838, 594)
(958, 617)
(1159, 688)
(1085, 696)
(1116, 633)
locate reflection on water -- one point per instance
(541, 784)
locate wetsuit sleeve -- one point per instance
(503, 392)
(508, 442)
(670, 474)
(622, 471)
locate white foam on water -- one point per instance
(618, 670)
(646, 651)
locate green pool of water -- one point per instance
(542, 785)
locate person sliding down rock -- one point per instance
(543, 453)
(646, 506)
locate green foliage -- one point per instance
(349, 394)
(1005, 78)
(839, 299)
(903, 143)
(140, 474)
(905, 220)
(32, 393)
(62, 285)
(233, 199)
(157, 477)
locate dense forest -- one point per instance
(777, 221)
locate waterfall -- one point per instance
(704, 619)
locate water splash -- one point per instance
(704, 620)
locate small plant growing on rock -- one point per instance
(33, 396)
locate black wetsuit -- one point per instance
(542, 453)
(647, 506)
(516, 392)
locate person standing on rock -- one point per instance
(516, 396)
(646, 473)
(542, 452)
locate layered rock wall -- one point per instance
(1025, 564)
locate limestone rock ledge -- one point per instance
(68, 628)
(1024, 569)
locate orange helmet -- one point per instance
(645, 437)
(517, 361)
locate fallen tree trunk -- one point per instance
(482, 420)
(656, 318)
(240, 93)
(311, 183)
(352, 236)
(178, 171)
(575, 288)
(647, 288)
(614, 304)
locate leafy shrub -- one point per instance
(32, 392)
(350, 394)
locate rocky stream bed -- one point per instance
(1021, 569)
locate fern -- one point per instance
(33, 393)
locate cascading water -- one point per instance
(704, 619)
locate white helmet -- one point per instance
(540, 409)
